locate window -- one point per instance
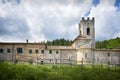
(42, 51)
(88, 31)
(8, 51)
(30, 51)
(108, 54)
(1, 50)
(50, 51)
(19, 50)
(36, 51)
(57, 52)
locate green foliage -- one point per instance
(60, 42)
(106, 44)
(109, 44)
(66, 72)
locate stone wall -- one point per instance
(85, 56)
(107, 56)
(49, 56)
(68, 55)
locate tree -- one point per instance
(60, 42)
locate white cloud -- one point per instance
(45, 19)
(52, 19)
(107, 20)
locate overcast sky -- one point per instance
(39, 20)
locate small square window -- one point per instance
(36, 51)
(108, 54)
(1, 50)
(8, 51)
(19, 50)
(42, 51)
(57, 52)
(50, 51)
(30, 51)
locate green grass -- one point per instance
(66, 72)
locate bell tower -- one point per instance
(87, 31)
(86, 28)
(86, 34)
(84, 43)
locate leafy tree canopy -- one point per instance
(106, 44)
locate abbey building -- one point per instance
(81, 51)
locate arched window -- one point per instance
(88, 28)
(88, 31)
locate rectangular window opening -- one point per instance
(50, 51)
(19, 50)
(1, 50)
(42, 51)
(36, 51)
(108, 54)
(88, 31)
(8, 51)
(30, 51)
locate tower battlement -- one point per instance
(88, 18)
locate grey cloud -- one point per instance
(57, 2)
(72, 21)
(50, 29)
(106, 20)
(14, 27)
(43, 19)
(59, 27)
(48, 2)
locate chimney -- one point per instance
(27, 41)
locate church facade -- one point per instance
(82, 51)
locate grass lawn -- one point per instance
(66, 72)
